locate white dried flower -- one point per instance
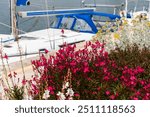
(0, 75)
(66, 85)
(27, 97)
(1, 90)
(46, 95)
(70, 92)
(15, 81)
(61, 96)
(41, 68)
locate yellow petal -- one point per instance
(116, 36)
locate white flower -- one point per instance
(61, 96)
(70, 92)
(0, 75)
(46, 94)
(41, 68)
(15, 81)
(1, 89)
(28, 97)
(66, 85)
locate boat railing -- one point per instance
(115, 7)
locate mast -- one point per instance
(95, 3)
(14, 30)
(126, 8)
(148, 6)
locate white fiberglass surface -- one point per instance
(49, 39)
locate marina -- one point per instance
(82, 52)
(70, 26)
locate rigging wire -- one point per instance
(34, 25)
(36, 20)
(22, 22)
(135, 8)
(8, 26)
(53, 8)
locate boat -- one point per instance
(134, 12)
(123, 8)
(70, 26)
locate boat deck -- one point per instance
(31, 43)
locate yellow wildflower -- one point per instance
(148, 24)
(116, 36)
(125, 22)
(107, 23)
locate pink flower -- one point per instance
(76, 95)
(142, 82)
(36, 91)
(106, 54)
(15, 74)
(6, 89)
(50, 88)
(135, 98)
(86, 69)
(132, 78)
(147, 94)
(139, 69)
(132, 83)
(62, 31)
(106, 78)
(105, 70)
(52, 92)
(107, 92)
(10, 75)
(112, 97)
(102, 63)
(137, 93)
(94, 93)
(99, 88)
(85, 64)
(5, 56)
(75, 70)
(24, 82)
(89, 79)
(115, 79)
(46, 51)
(73, 63)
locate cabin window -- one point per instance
(67, 22)
(101, 19)
(81, 25)
(54, 22)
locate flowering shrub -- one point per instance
(133, 56)
(9, 83)
(124, 33)
(93, 76)
(115, 67)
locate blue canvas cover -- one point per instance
(22, 2)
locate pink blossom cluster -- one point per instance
(94, 75)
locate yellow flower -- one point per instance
(107, 23)
(133, 21)
(148, 24)
(125, 22)
(116, 36)
(104, 27)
